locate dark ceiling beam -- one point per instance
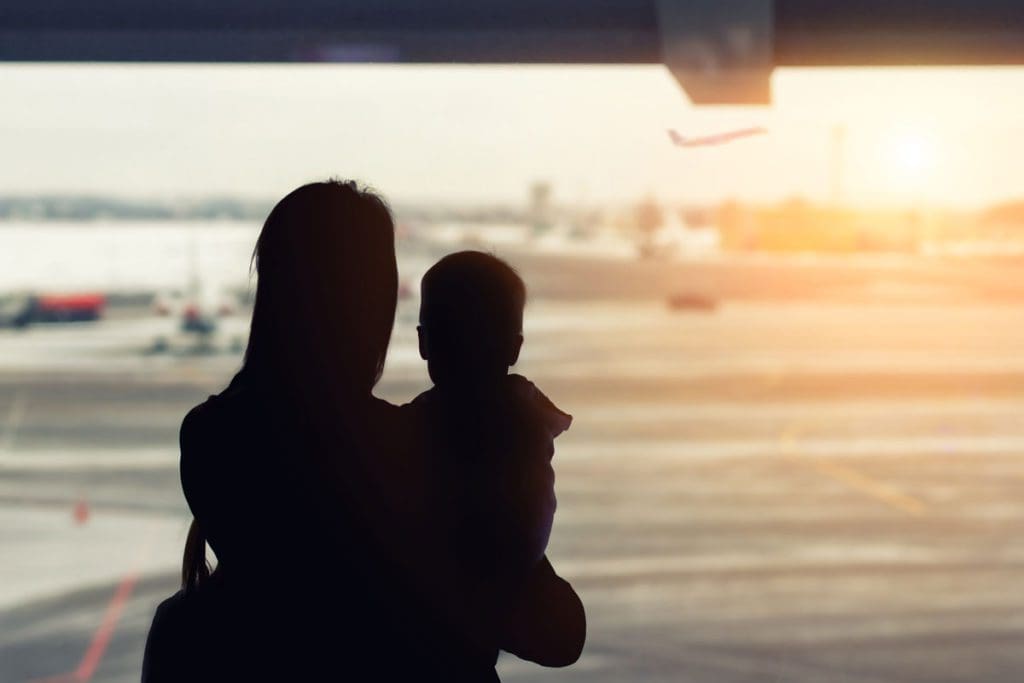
(721, 50)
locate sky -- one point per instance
(912, 137)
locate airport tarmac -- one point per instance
(770, 492)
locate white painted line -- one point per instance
(803, 410)
(90, 459)
(15, 414)
(776, 367)
(987, 444)
(795, 558)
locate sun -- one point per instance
(912, 153)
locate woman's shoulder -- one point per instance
(236, 403)
(388, 414)
(384, 421)
(197, 421)
(213, 416)
(212, 432)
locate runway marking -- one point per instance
(675, 450)
(873, 488)
(15, 414)
(103, 634)
(85, 459)
(885, 493)
(101, 638)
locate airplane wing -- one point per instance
(712, 140)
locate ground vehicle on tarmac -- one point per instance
(22, 309)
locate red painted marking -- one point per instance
(100, 637)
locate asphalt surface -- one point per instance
(769, 492)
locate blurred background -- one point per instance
(795, 360)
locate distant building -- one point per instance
(540, 210)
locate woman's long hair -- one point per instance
(326, 290)
(327, 286)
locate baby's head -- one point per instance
(471, 319)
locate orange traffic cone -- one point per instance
(81, 511)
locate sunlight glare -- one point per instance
(913, 153)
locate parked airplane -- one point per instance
(712, 140)
(204, 319)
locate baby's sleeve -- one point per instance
(529, 482)
(552, 419)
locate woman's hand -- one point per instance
(546, 624)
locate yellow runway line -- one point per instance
(880, 491)
(886, 493)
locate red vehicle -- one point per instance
(26, 309)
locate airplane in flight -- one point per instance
(712, 140)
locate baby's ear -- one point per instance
(514, 349)
(424, 347)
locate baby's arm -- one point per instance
(527, 479)
(528, 503)
(545, 622)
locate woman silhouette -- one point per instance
(310, 490)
